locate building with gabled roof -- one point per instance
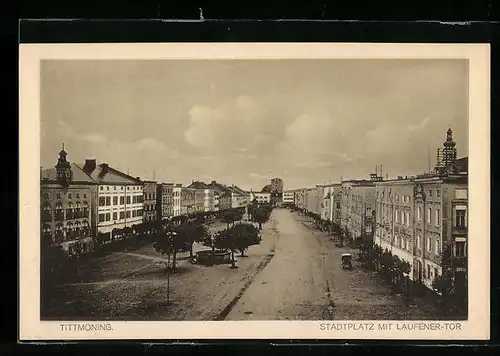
(67, 207)
(205, 196)
(119, 198)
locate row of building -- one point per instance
(412, 217)
(80, 202)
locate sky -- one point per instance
(244, 122)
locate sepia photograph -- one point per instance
(257, 189)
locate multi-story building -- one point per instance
(441, 220)
(188, 201)
(288, 197)
(299, 199)
(239, 198)
(165, 201)
(358, 208)
(260, 197)
(395, 218)
(276, 191)
(120, 199)
(67, 194)
(222, 196)
(205, 196)
(177, 199)
(331, 203)
(150, 191)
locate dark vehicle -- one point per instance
(346, 260)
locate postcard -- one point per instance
(254, 191)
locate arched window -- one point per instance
(59, 233)
(59, 211)
(78, 207)
(47, 213)
(69, 211)
(70, 231)
(47, 234)
(85, 213)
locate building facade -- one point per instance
(120, 199)
(66, 201)
(176, 193)
(205, 196)
(188, 201)
(150, 192)
(260, 197)
(358, 208)
(395, 218)
(165, 201)
(288, 197)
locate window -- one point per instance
(128, 214)
(122, 200)
(122, 215)
(461, 193)
(397, 197)
(114, 188)
(107, 188)
(460, 218)
(408, 244)
(436, 273)
(121, 188)
(77, 195)
(429, 194)
(128, 199)
(108, 200)
(102, 201)
(418, 241)
(460, 249)
(101, 188)
(115, 216)
(115, 200)
(108, 216)
(408, 218)
(437, 249)
(428, 272)
(403, 217)
(438, 193)
(46, 196)
(69, 196)
(101, 217)
(419, 213)
(438, 218)
(429, 244)
(134, 213)
(85, 195)
(429, 214)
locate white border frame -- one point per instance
(475, 328)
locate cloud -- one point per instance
(419, 126)
(237, 126)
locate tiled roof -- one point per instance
(238, 190)
(79, 176)
(219, 187)
(199, 185)
(112, 176)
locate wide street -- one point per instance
(295, 273)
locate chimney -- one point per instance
(89, 166)
(138, 178)
(104, 167)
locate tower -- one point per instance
(63, 168)
(447, 156)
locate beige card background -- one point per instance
(31, 328)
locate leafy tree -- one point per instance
(170, 241)
(224, 241)
(230, 217)
(245, 235)
(261, 216)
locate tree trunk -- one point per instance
(260, 226)
(174, 259)
(242, 253)
(233, 264)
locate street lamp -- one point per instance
(170, 233)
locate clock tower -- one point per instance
(63, 168)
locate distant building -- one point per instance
(188, 201)
(120, 199)
(260, 197)
(165, 201)
(67, 198)
(177, 199)
(206, 196)
(239, 197)
(222, 196)
(150, 191)
(288, 197)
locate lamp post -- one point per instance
(171, 234)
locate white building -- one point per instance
(176, 192)
(260, 197)
(120, 199)
(288, 197)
